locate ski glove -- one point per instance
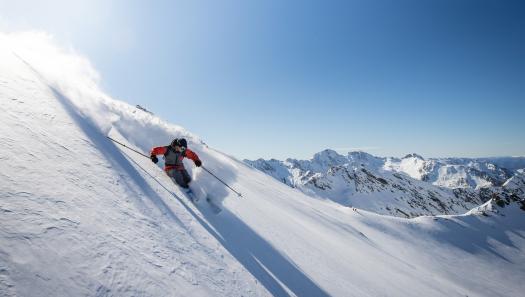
(154, 159)
(198, 163)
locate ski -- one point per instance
(213, 206)
(193, 198)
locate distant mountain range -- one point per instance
(406, 187)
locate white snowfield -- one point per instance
(82, 216)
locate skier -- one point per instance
(173, 156)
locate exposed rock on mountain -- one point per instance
(406, 187)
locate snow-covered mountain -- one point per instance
(407, 187)
(458, 172)
(82, 216)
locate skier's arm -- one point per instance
(193, 156)
(160, 150)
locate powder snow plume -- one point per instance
(73, 76)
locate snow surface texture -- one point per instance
(407, 187)
(81, 216)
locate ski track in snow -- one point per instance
(82, 216)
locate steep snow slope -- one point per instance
(79, 219)
(82, 217)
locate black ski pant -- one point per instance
(181, 177)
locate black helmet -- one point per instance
(182, 143)
(175, 142)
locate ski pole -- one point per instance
(240, 195)
(127, 146)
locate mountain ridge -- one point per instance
(409, 186)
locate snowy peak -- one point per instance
(274, 168)
(414, 156)
(363, 159)
(327, 158)
(415, 166)
(268, 165)
(516, 183)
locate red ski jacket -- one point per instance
(173, 159)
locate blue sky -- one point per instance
(290, 78)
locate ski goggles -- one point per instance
(181, 148)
